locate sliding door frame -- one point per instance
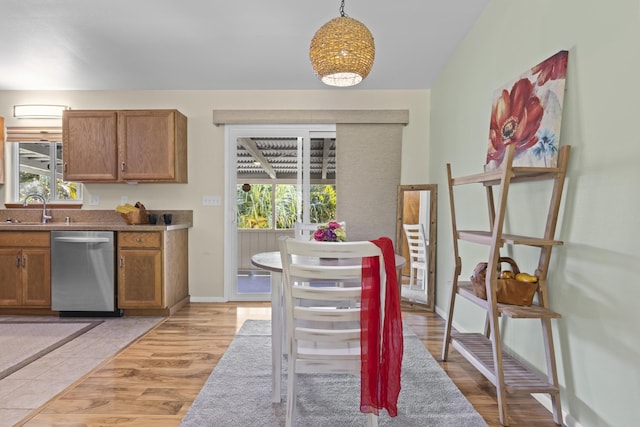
(232, 133)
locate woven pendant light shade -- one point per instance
(342, 52)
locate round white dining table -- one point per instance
(272, 262)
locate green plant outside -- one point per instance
(255, 210)
(254, 206)
(39, 184)
(286, 206)
(323, 203)
(38, 179)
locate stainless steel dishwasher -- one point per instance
(83, 273)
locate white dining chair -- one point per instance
(417, 255)
(323, 339)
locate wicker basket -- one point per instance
(508, 291)
(136, 217)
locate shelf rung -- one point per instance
(530, 312)
(518, 174)
(465, 289)
(518, 378)
(485, 238)
(478, 178)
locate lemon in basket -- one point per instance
(524, 277)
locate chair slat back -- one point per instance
(416, 242)
(322, 292)
(316, 272)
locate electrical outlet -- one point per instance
(94, 200)
(210, 200)
(124, 200)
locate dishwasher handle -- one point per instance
(82, 239)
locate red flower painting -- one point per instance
(551, 68)
(515, 119)
(526, 114)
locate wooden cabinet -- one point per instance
(90, 146)
(2, 140)
(139, 270)
(153, 270)
(25, 269)
(124, 146)
(485, 350)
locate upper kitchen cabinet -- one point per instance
(90, 146)
(124, 146)
(152, 146)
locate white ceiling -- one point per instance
(213, 44)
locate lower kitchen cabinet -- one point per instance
(152, 269)
(139, 270)
(25, 269)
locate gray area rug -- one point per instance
(25, 342)
(238, 392)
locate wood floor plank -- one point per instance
(155, 380)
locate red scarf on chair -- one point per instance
(381, 353)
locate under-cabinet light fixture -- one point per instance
(38, 111)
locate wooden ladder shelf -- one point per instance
(484, 351)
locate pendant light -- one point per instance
(342, 51)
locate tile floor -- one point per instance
(32, 386)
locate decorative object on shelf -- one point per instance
(527, 113)
(342, 51)
(511, 288)
(246, 187)
(38, 111)
(330, 232)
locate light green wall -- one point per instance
(206, 152)
(593, 276)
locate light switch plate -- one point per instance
(94, 200)
(210, 200)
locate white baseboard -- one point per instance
(440, 312)
(545, 400)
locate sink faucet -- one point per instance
(45, 217)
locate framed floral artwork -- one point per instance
(527, 112)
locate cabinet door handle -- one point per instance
(17, 261)
(122, 166)
(138, 240)
(24, 261)
(121, 262)
(65, 166)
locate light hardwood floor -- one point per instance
(154, 381)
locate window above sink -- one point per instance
(36, 167)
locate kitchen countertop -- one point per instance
(86, 220)
(87, 226)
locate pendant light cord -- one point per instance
(342, 14)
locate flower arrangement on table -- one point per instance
(330, 232)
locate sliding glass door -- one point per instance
(277, 175)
